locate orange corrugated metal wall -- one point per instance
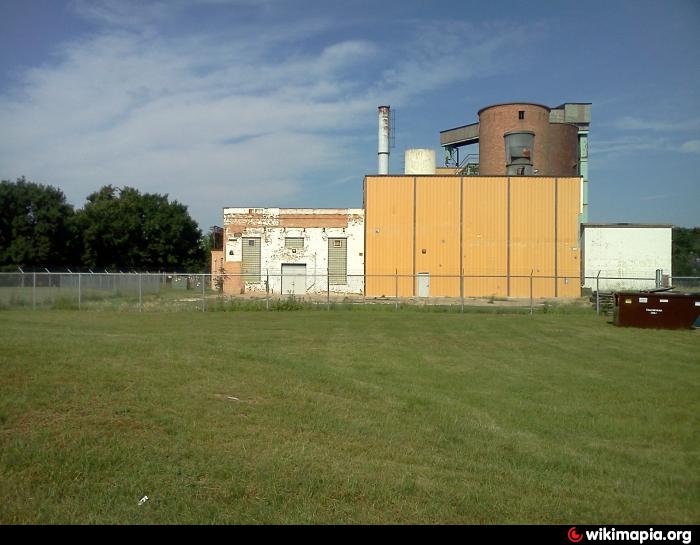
(437, 240)
(531, 236)
(484, 236)
(389, 235)
(493, 211)
(568, 250)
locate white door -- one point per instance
(423, 282)
(293, 279)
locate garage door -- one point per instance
(293, 279)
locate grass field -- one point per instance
(346, 417)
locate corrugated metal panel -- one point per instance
(437, 232)
(503, 231)
(531, 235)
(484, 235)
(296, 243)
(337, 261)
(568, 250)
(250, 265)
(389, 235)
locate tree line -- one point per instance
(686, 251)
(116, 229)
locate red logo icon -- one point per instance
(574, 536)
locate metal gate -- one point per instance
(293, 279)
(250, 266)
(337, 261)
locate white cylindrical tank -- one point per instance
(419, 161)
(383, 144)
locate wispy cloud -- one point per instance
(638, 143)
(629, 144)
(239, 118)
(637, 124)
(660, 197)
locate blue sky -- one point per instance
(274, 102)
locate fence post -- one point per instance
(140, 299)
(396, 289)
(531, 272)
(34, 291)
(461, 289)
(267, 289)
(204, 300)
(597, 294)
(328, 288)
(79, 294)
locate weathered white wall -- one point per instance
(314, 255)
(625, 252)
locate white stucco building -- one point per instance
(291, 251)
(627, 255)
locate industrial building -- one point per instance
(472, 235)
(506, 225)
(482, 228)
(290, 251)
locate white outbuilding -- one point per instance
(623, 256)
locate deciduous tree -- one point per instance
(36, 226)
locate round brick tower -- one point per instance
(517, 139)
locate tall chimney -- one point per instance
(383, 147)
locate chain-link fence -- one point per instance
(288, 290)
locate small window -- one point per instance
(251, 242)
(295, 243)
(521, 114)
(337, 244)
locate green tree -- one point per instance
(36, 226)
(686, 251)
(124, 229)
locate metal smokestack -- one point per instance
(383, 147)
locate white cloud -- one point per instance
(691, 146)
(213, 121)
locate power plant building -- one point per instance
(507, 225)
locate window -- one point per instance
(295, 243)
(521, 114)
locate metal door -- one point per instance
(337, 261)
(250, 267)
(293, 279)
(423, 284)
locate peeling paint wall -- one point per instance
(314, 225)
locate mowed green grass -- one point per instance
(346, 417)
